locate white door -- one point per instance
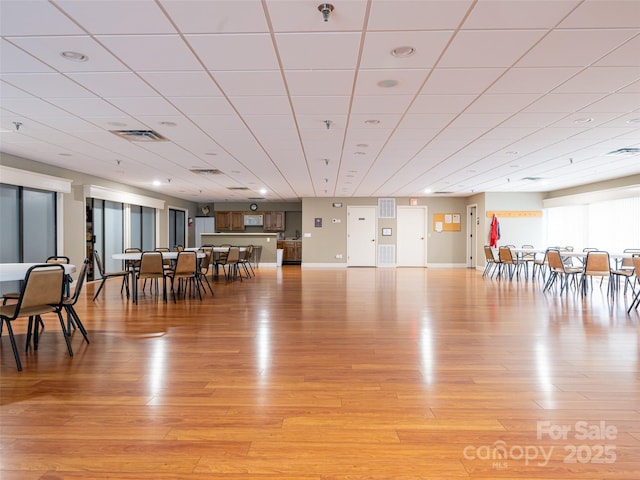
(412, 237)
(361, 236)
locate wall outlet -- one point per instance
(338, 255)
(336, 220)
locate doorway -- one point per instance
(361, 236)
(412, 235)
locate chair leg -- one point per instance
(104, 279)
(71, 312)
(64, 334)
(16, 355)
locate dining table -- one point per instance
(11, 272)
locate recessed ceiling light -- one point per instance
(512, 152)
(583, 120)
(157, 183)
(362, 145)
(359, 153)
(168, 124)
(404, 51)
(387, 83)
(64, 154)
(74, 56)
(210, 153)
(372, 122)
(427, 190)
(634, 120)
(263, 191)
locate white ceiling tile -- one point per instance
(504, 103)
(182, 84)
(86, 107)
(202, 105)
(460, 81)
(236, 84)
(118, 16)
(374, 104)
(35, 18)
(625, 55)
(500, 14)
(320, 105)
(441, 103)
(564, 102)
(230, 51)
(489, 48)
(148, 53)
(46, 85)
(574, 48)
(320, 82)
(532, 80)
(271, 105)
(319, 51)
(113, 84)
(600, 80)
(426, 121)
(221, 16)
(413, 15)
(598, 14)
(14, 60)
(135, 106)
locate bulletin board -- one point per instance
(446, 222)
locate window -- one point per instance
(177, 234)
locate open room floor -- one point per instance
(326, 374)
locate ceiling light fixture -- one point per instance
(325, 9)
(583, 120)
(362, 145)
(633, 120)
(404, 51)
(372, 122)
(74, 56)
(387, 83)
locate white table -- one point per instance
(10, 272)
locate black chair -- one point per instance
(69, 302)
(124, 274)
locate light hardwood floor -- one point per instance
(330, 374)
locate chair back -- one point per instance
(98, 260)
(505, 254)
(58, 259)
(636, 264)
(79, 283)
(488, 254)
(186, 264)
(627, 263)
(151, 265)
(43, 286)
(178, 248)
(597, 264)
(555, 260)
(206, 260)
(248, 253)
(234, 255)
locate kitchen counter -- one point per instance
(268, 242)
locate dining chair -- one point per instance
(540, 265)
(636, 266)
(560, 271)
(68, 302)
(490, 260)
(186, 272)
(151, 268)
(528, 258)
(597, 264)
(509, 260)
(625, 270)
(230, 265)
(42, 293)
(124, 274)
(245, 260)
(204, 264)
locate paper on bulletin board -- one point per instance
(438, 226)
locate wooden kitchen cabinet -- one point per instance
(229, 221)
(291, 251)
(273, 222)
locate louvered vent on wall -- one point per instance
(386, 255)
(386, 208)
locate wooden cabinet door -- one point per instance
(223, 221)
(273, 222)
(237, 221)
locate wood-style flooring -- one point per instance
(326, 374)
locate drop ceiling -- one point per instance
(498, 96)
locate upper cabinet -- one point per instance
(273, 222)
(229, 221)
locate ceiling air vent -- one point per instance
(532, 179)
(237, 188)
(624, 151)
(442, 193)
(139, 135)
(205, 171)
(255, 198)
